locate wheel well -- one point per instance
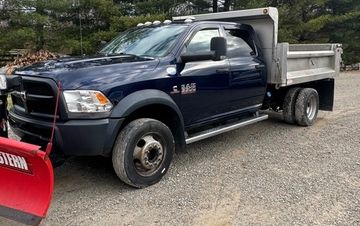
(325, 89)
(166, 115)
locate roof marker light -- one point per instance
(156, 22)
(147, 23)
(167, 22)
(189, 19)
(140, 24)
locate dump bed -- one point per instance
(306, 63)
(286, 64)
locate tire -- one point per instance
(289, 105)
(307, 107)
(143, 152)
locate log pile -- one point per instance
(28, 59)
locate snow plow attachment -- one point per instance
(26, 181)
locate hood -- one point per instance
(92, 72)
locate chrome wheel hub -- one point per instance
(311, 108)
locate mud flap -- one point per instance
(26, 182)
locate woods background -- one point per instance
(55, 24)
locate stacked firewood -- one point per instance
(28, 59)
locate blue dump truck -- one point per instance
(162, 85)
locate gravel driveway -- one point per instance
(264, 174)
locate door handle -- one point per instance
(260, 66)
(223, 70)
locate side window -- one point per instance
(201, 41)
(238, 43)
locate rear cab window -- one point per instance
(239, 43)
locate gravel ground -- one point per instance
(264, 174)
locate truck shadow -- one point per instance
(78, 173)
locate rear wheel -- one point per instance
(289, 105)
(307, 107)
(143, 152)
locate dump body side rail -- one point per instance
(305, 63)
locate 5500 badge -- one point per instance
(185, 89)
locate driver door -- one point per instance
(204, 84)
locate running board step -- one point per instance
(225, 128)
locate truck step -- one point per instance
(225, 128)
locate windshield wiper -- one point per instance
(128, 54)
(139, 56)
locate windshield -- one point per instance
(146, 41)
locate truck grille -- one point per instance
(37, 98)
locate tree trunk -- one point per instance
(39, 27)
(215, 6)
(40, 41)
(227, 5)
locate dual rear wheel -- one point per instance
(301, 106)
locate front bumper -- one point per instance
(74, 137)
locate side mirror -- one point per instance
(218, 50)
(219, 46)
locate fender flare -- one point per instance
(142, 98)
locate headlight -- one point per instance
(3, 82)
(86, 101)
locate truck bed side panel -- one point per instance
(305, 63)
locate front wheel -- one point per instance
(143, 152)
